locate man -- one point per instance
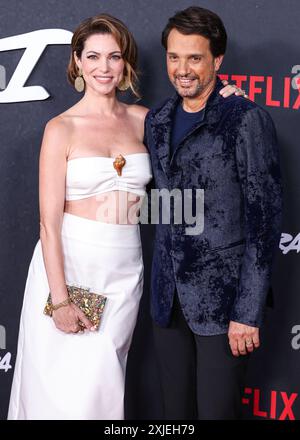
(209, 289)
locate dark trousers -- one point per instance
(200, 377)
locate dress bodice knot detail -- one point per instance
(92, 175)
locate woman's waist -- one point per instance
(114, 207)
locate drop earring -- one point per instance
(79, 82)
(124, 84)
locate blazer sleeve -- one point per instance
(257, 159)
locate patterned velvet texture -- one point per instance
(223, 273)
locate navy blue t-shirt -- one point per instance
(183, 122)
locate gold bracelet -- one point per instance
(64, 303)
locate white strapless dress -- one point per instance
(81, 376)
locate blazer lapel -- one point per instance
(211, 115)
(161, 127)
(194, 128)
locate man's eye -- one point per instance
(172, 57)
(196, 58)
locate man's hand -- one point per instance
(230, 89)
(242, 338)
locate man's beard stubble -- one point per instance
(200, 88)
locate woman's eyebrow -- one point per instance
(98, 53)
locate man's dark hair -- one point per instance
(200, 21)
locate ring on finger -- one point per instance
(78, 328)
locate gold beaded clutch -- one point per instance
(92, 304)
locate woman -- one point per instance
(93, 171)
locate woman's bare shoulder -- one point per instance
(137, 111)
(61, 126)
(59, 123)
(63, 121)
(57, 136)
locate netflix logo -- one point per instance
(278, 405)
(285, 93)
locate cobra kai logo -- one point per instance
(34, 44)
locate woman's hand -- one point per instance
(70, 319)
(230, 89)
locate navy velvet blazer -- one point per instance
(223, 273)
